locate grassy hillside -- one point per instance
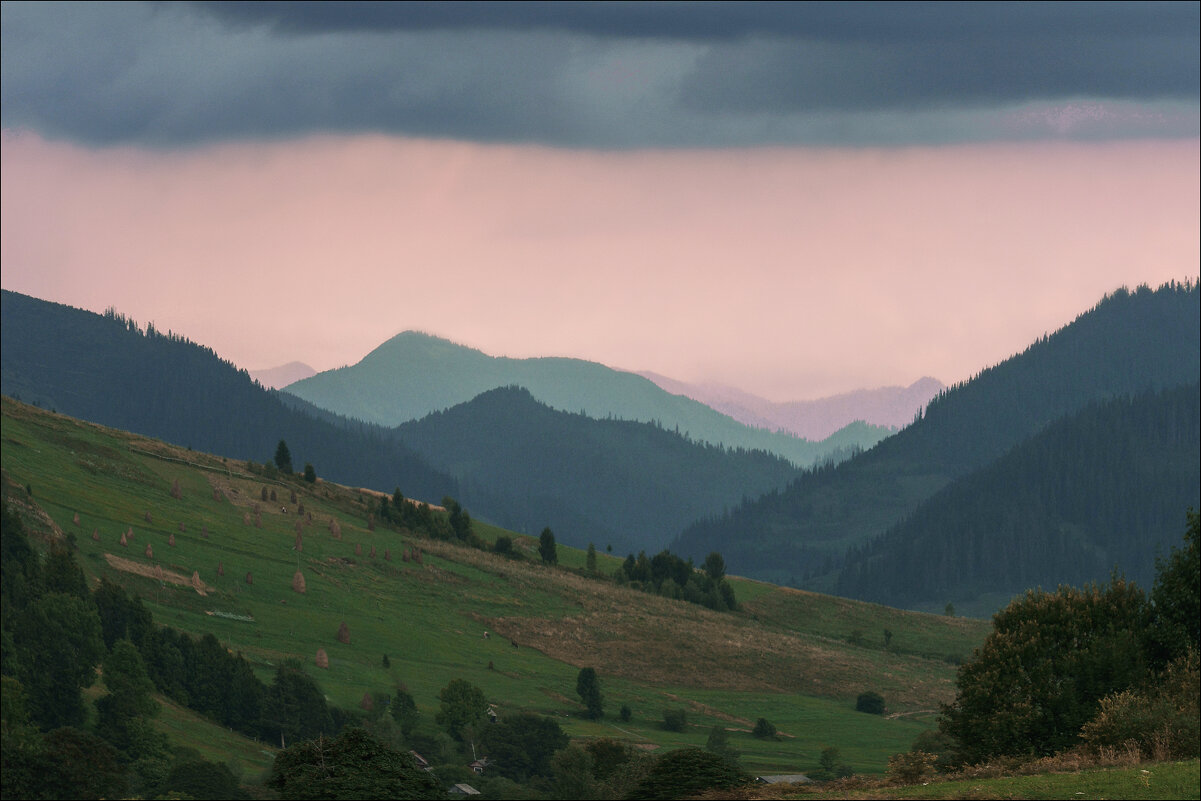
(786, 657)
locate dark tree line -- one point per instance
(667, 574)
(1131, 342)
(1099, 489)
(107, 370)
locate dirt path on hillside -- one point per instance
(156, 572)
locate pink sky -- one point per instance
(790, 272)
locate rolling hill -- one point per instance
(104, 368)
(1105, 488)
(414, 374)
(1131, 342)
(796, 657)
(630, 485)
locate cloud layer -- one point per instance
(602, 75)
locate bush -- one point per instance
(687, 772)
(870, 702)
(1161, 718)
(674, 719)
(763, 729)
(831, 766)
(626, 713)
(911, 767)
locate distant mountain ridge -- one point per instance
(893, 407)
(107, 370)
(631, 485)
(284, 374)
(1104, 487)
(413, 374)
(1129, 343)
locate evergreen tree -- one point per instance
(125, 712)
(546, 547)
(283, 457)
(587, 685)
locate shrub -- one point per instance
(687, 772)
(763, 729)
(910, 767)
(1161, 718)
(870, 702)
(626, 713)
(674, 719)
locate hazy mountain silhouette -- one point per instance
(1130, 343)
(413, 374)
(281, 376)
(891, 407)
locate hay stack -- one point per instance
(249, 579)
(372, 554)
(358, 549)
(335, 529)
(299, 546)
(95, 535)
(258, 519)
(148, 516)
(387, 555)
(158, 572)
(197, 584)
(129, 534)
(171, 541)
(124, 542)
(344, 633)
(367, 704)
(299, 527)
(273, 497)
(182, 526)
(298, 582)
(176, 493)
(246, 518)
(263, 494)
(204, 532)
(370, 522)
(221, 568)
(75, 519)
(149, 551)
(322, 659)
(292, 498)
(216, 495)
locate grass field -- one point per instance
(785, 657)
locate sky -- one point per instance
(794, 199)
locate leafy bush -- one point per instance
(1161, 719)
(674, 719)
(687, 772)
(763, 729)
(870, 702)
(910, 767)
(831, 766)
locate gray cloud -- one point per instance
(608, 75)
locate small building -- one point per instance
(479, 765)
(421, 761)
(463, 789)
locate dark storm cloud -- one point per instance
(597, 74)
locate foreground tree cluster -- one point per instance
(1102, 666)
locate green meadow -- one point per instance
(218, 558)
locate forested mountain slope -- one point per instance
(1129, 343)
(1105, 487)
(103, 368)
(631, 485)
(414, 374)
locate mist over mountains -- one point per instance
(414, 374)
(1067, 460)
(893, 407)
